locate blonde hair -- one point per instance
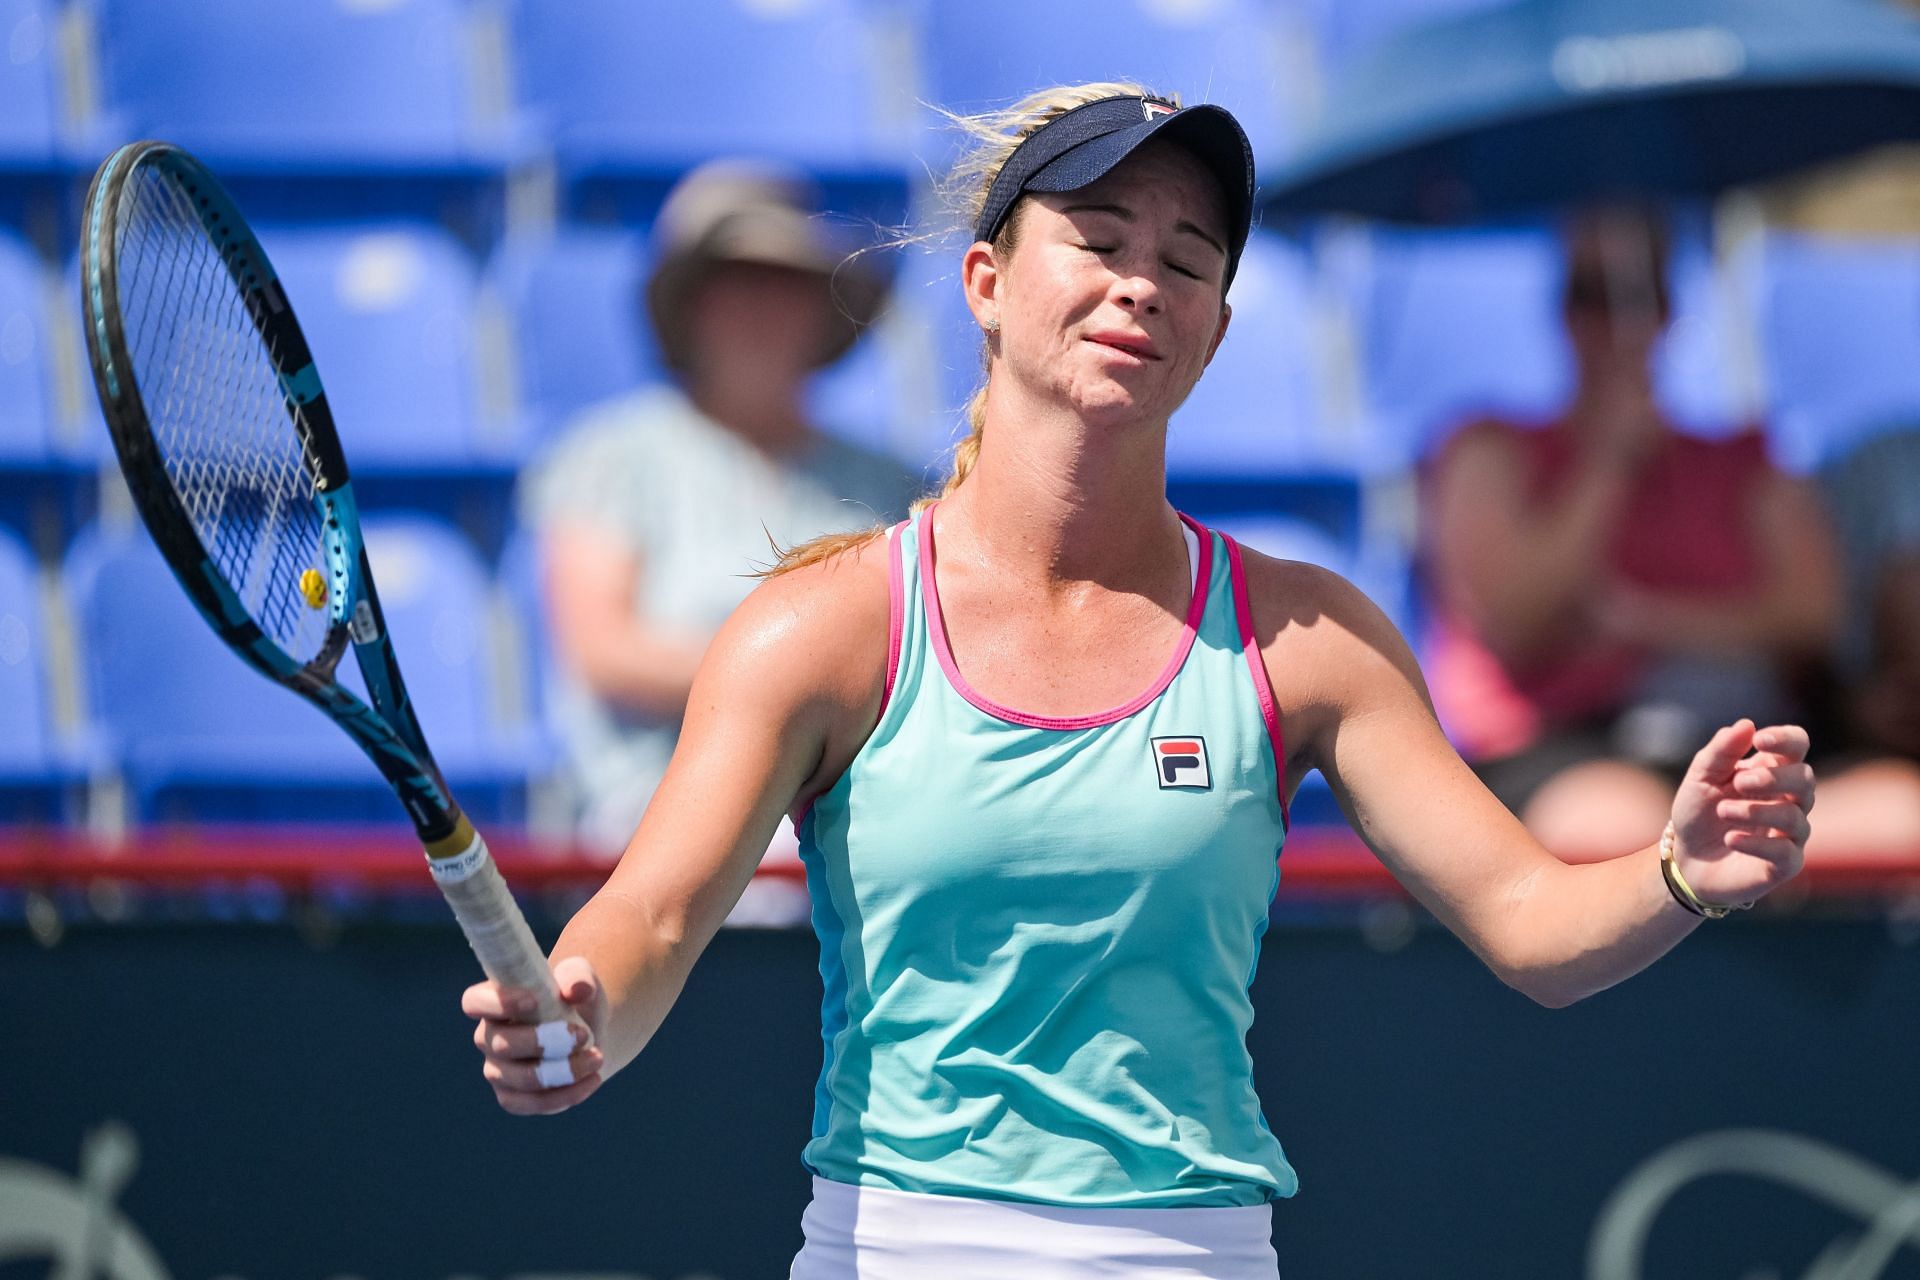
(995, 135)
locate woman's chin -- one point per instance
(1113, 404)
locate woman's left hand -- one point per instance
(1740, 821)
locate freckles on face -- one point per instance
(1112, 300)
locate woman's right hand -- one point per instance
(530, 1078)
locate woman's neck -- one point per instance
(1053, 502)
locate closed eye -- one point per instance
(1186, 271)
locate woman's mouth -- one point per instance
(1138, 346)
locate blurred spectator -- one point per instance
(1607, 590)
(656, 507)
(1870, 789)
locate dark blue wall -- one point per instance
(305, 1114)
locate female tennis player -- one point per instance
(1040, 737)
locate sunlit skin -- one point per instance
(1063, 579)
(1109, 306)
(1112, 305)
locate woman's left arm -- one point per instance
(1355, 707)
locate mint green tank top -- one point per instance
(1037, 934)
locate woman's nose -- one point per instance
(1140, 294)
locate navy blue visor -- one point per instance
(1079, 147)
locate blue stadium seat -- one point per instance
(1698, 371)
(580, 330)
(379, 84)
(989, 53)
(24, 347)
(389, 311)
(29, 118)
(1262, 406)
(38, 768)
(76, 428)
(199, 736)
(521, 587)
(520, 583)
(867, 397)
(661, 86)
(1455, 324)
(1841, 328)
(439, 600)
(928, 293)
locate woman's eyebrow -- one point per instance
(1191, 229)
(1126, 215)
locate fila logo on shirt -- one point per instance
(1181, 762)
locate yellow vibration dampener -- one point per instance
(314, 587)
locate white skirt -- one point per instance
(872, 1233)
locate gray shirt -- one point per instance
(697, 504)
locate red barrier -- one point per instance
(1321, 862)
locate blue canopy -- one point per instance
(1517, 109)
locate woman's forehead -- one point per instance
(1159, 172)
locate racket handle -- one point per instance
(494, 925)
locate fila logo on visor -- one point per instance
(1181, 762)
(1149, 108)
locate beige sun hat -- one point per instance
(732, 211)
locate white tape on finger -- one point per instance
(556, 1040)
(554, 1074)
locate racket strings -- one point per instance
(232, 445)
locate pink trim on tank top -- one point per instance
(896, 627)
(937, 630)
(1257, 667)
(896, 609)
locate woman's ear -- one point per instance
(1226, 317)
(980, 277)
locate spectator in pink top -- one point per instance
(1605, 586)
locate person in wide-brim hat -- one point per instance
(654, 507)
(734, 213)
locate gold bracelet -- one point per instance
(1682, 891)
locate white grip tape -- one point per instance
(554, 1073)
(556, 1040)
(494, 927)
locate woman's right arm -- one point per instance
(786, 695)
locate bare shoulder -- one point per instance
(1330, 651)
(1292, 599)
(822, 625)
(802, 662)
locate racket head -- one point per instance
(228, 446)
(191, 342)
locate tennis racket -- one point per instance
(229, 448)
